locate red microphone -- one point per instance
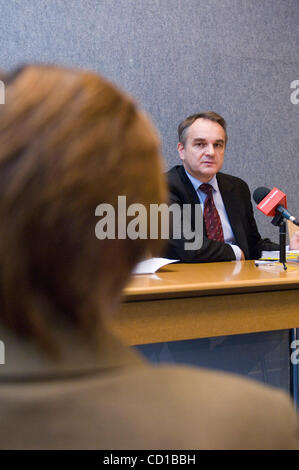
(269, 202)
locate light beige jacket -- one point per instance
(118, 401)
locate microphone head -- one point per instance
(260, 193)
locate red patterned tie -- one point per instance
(211, 216)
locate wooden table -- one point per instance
(188, 301)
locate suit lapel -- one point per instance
(231, 205)
(191, 194)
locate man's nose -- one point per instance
(210, 150)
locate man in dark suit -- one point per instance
(229, 229)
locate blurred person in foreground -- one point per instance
(69, 142)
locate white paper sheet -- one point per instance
(150, 266)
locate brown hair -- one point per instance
(69, 141)
(209, 115)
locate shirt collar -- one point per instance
(196, 182)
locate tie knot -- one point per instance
(206, 188)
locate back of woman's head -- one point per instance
(69, 142)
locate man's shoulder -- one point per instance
(179, 184)
(231, 180)
(177, 175)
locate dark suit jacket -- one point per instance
(237, 201)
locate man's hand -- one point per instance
(294, 242)
(242, 255)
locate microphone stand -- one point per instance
(279, 221)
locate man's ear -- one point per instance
(181, 149)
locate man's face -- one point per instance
(203, 153)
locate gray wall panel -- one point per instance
(176, 57)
